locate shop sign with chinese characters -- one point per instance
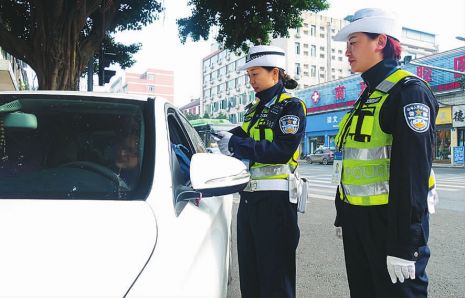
(458, 116)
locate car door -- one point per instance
(318, 155)
(62, 233)
(192, 253)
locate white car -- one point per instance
(95, 199)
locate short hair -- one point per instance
(392, 50)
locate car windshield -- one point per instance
(70, 147)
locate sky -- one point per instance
(162, 49)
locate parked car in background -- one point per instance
(322, 155)
(110, 195)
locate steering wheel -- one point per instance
(103, 171)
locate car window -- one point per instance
(70, 147)
(318, 152)
(194, 136)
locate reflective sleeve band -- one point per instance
(269, 171)
(431, 180)
(373, 189)
(367, 153)
(264, 185)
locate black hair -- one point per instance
(392, 50)
(288, 82)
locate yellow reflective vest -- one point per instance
(366, 148)
(260, 131)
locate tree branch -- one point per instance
(15, 46)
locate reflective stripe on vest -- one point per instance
(367, 149)
(258, 131)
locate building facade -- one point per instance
(152, 82)
(12, 73)
(328, 102)
(193, 107)
(312, 58)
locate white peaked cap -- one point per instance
(265, 56)
(371, 20)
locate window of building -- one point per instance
(297, 48)
(297, 69)
(313, 71)
(339, 52)
(322, 55)
(305, 45)
(339, 58)
(333, 50)
(322, 35)
(313, 30)
(333, 57)
(305, 66)
(322, 28)
(313, 50)
(305, 53)
(151, 88)
(322, 48)
(306, 32)
(150, 77)
(305, 73)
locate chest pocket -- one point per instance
(361, 127)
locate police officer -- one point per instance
(386, 142)
(268, 142)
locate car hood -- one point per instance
(73, 248)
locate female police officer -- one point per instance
(268, 141)
(386, 142)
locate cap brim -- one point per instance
(380, 25)
(276, 61)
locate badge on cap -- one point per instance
(289, 124)
(417, 116)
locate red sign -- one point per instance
(459, 65)
(340, 92)
(425, 73)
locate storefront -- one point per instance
(321, 130)
(458, 124)
(442, 148)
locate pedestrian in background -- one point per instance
(386, 141)
(268, 143)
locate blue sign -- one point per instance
(459, 155)
(324, 122)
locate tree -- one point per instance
(191, 116)
(57, 38)
(221, 116)
(244, 20)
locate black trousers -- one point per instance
(364, 231)
(267, 239)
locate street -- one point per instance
(320, 259)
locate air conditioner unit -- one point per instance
(220, 79)
(228, 57)
(238, 72)
(238, 89)
(297, 77)
(228, 75)
(228, 92)
(211, 82)
(211, 66)
(247, 85)
(220, 62)
(297, 35)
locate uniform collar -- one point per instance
(378, 73)
(267, 95)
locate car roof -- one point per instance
(83, 93)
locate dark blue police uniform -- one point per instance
(267, 229)
(400, 228)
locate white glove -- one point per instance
(433, 197)
(339, 232)
(223, 143)
(400, 269)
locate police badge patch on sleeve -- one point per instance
(289, 124)
(417, 116)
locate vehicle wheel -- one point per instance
(325, 161)
(309, 160)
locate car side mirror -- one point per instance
(217, 174)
